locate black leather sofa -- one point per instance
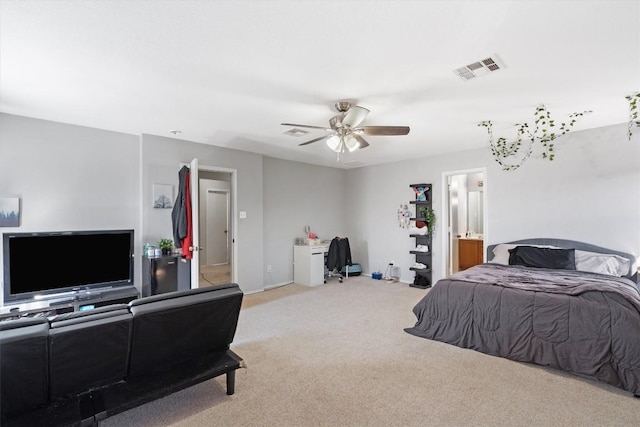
(78, 368)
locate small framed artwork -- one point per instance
(162, 196)
(9, 212)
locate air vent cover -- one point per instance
(479, 68)
(295, 132)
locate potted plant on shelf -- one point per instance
(429, 216)
(166, 245)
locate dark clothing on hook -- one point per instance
(179, 213)
(339, 254)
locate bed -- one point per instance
(558, 303)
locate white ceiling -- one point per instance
(228, 73)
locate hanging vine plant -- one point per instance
(634, 100)
(541, 132)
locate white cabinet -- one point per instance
(308, 264)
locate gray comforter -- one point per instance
(579, 322)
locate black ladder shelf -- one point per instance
(423, 199)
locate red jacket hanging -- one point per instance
(187, 242)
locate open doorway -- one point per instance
(226, 182)
(215, 227)
(465, 219)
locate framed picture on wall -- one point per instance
(9, 212)
(162, 196)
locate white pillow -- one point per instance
(501, 252)
(613, 265)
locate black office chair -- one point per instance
(338, 256)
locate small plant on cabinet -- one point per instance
(166, 245)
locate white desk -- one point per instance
(308, 264)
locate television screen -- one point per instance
(42, 264)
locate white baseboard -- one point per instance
(277, 285)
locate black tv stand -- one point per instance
(67, 303)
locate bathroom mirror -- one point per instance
(475, 215)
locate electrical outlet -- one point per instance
(268, 269)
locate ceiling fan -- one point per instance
(345, 132)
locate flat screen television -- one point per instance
(45, 264)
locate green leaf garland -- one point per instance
(541, 132)
(633, 99)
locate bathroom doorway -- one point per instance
(465, 219)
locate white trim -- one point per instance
(277, 285)
(139, 234)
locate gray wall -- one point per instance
(76, 178)
(161, 158)
(295, 195)
(70, 177)
(590, 192)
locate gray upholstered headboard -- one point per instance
(573, 244)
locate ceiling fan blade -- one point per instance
(316, 140)
(362, 143)
(355, 116)
(305, 126)
(384, 130)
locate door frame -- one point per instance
(232, 218)
(233, 253)
(447, 241)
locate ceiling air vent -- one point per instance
(296, 132)
(479, 68)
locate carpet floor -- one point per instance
(214, 275)
(337, 355)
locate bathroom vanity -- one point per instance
(470, 252)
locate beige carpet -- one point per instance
(337, 355)
(214, 275)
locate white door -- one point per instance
(217, 227)
(194, 193)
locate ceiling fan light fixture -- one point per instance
(345, 130)
(334, 143)
(351, 143)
